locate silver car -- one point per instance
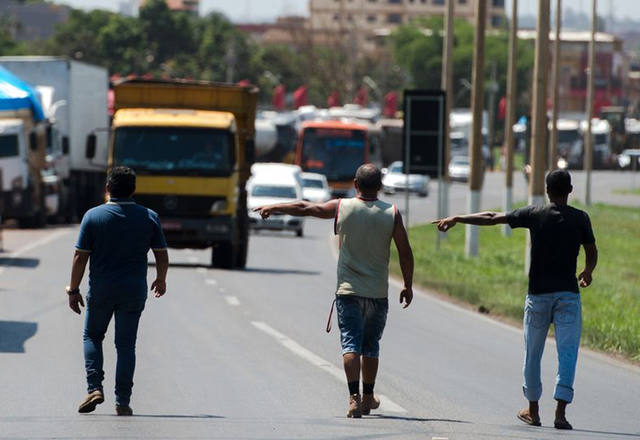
(394, 180)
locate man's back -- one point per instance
(557, 231)
(119, 235)
(365, 228)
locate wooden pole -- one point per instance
(510, 116)
(538, 116)
(447, 86)
(555, 87)
(477, 106)
(588, 151)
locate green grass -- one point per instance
(496, 280)
(633, 192)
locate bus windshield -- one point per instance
(336, 153)
(174, 150)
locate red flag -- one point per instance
(390, 104)
(300, 96)
(334, 99)
(502, 109)
(361, 97)
(278, 97)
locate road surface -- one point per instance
(244, 355)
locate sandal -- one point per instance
(524, 416)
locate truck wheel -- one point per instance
(223, 255)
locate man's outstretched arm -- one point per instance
(405, 255)
(301, 209)
(480, 219)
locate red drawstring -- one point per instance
(330, 315)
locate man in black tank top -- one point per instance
(557, 232)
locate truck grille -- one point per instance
(169, 205)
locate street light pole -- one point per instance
(510, 112)
(477, 107)
(588, 151)
(447, 86)
(555, 87)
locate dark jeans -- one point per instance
(127, 315)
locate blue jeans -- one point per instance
(127, 315)
(361, 321)
(565, 311)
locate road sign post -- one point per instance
(423, 138)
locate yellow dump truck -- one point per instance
(192, 147)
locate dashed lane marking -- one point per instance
(232, 300)
(386, 404)
(211, 282)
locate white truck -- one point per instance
(74, 99)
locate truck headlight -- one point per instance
(219, 205)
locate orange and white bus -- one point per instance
(335, 149)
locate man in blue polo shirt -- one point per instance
(116, 238)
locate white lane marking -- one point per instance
(232, 300)
(439, 438)
(211, 282)
(35, 244)
(222, 290)
(386, 404)
(201, 270)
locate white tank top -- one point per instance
(365, 230)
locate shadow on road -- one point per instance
(179, 416)
(415, 419)
(277, 271)
(13, 335)
(19, 262)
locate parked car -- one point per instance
(315, 188)
(395, 180)
(269, 188)
(459, 168)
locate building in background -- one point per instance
(192, 6)
(32, 21)
(611, 69)
(369, 16)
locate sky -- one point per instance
(268, 10)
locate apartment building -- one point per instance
(369, 16)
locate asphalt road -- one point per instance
(244, 355)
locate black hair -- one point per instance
(369, 177)
(559, 183)
(121, 182)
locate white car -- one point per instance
(267, 189)
(395, 180)
(315, 188)
(459, 168)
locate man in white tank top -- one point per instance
(365, 226)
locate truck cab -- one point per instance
(191, 147)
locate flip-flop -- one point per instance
(525, 417)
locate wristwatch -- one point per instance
(71, 291)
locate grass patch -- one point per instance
(633, 192)
(496, 280)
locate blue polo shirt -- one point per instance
(119, 235)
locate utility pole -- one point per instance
(447, 86)
(477, 106)
(555, 87)
(539, 119)
(510, 116)
(493, 89)
(588, 151)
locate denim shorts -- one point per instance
(361, 321)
